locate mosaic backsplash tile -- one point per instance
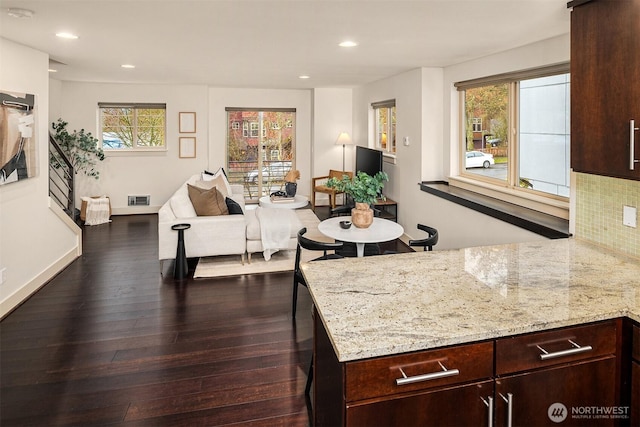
(599, 205)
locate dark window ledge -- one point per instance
(537, 222)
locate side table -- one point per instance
(181, 267)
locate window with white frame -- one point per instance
(255, 129)
(516, 131)
(132, 126)
(235, 125)
(385, 125)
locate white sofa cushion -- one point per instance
(181, 204)
(221, 179)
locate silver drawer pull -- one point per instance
(632, 142)
(489, 404)
(426, 377)
(577, 349)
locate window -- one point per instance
(261, 155)
(132, 126)
(235, 125)
(385, 125)
(255, 128)
(476, 123)
(534, 156)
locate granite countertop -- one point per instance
(377, 306)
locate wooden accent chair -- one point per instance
(319, 185)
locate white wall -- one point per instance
(158, 174)
(433, 133)
(220, 98)
(34, 243)
(332, 114)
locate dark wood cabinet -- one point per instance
(547, 377)
(605, 94)
(564, 395)
(635, 377)
(458, 406)
(530, 379)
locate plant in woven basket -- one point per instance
(80, 147)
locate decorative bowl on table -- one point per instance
(345, 224)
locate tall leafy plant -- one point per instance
(80, 147)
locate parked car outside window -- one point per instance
(477, 159)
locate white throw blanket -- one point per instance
(97, 210)
(275, 229)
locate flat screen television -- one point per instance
(368, 160)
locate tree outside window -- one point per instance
(535, 157)
(132, 126)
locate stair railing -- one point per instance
(61, 179)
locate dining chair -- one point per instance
(428, 242)
(298, 278)
(311, 245)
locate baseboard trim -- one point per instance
(16, 299)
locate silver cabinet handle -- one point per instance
(489, 403)
(577, 349)
(632, 142)
(426, 377)
(509, 400)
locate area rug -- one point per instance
(219, 266)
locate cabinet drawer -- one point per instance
(636, 342)
(385, 376)
(549, 348)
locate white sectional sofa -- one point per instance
(208, 235)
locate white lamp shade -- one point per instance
(344, 139)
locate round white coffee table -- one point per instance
(297, 202)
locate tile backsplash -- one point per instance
(599, 205)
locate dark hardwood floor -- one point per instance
(110, 342)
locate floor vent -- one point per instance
(139, 200)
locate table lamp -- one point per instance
(344, 139)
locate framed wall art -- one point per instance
(187, 147)
(187, 122)
(17, 139)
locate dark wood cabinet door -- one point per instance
(455, 406)
(605, 88)
(635, 394)
(539, 396)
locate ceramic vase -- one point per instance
(362, 215)
(290, 188)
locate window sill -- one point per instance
(546, 225)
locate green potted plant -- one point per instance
(80, 147)
(365, 190)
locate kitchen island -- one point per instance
(402, 305)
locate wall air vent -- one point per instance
(139, 200)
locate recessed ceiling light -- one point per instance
(51, 70)
(19, 13)
(67, 36)
(128, 66)
(304, 77)
(348, 43)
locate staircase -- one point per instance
(61, 179)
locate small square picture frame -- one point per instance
(187, 148)
(187, 122)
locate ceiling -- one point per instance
(270, 43)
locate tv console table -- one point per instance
(388, 209)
